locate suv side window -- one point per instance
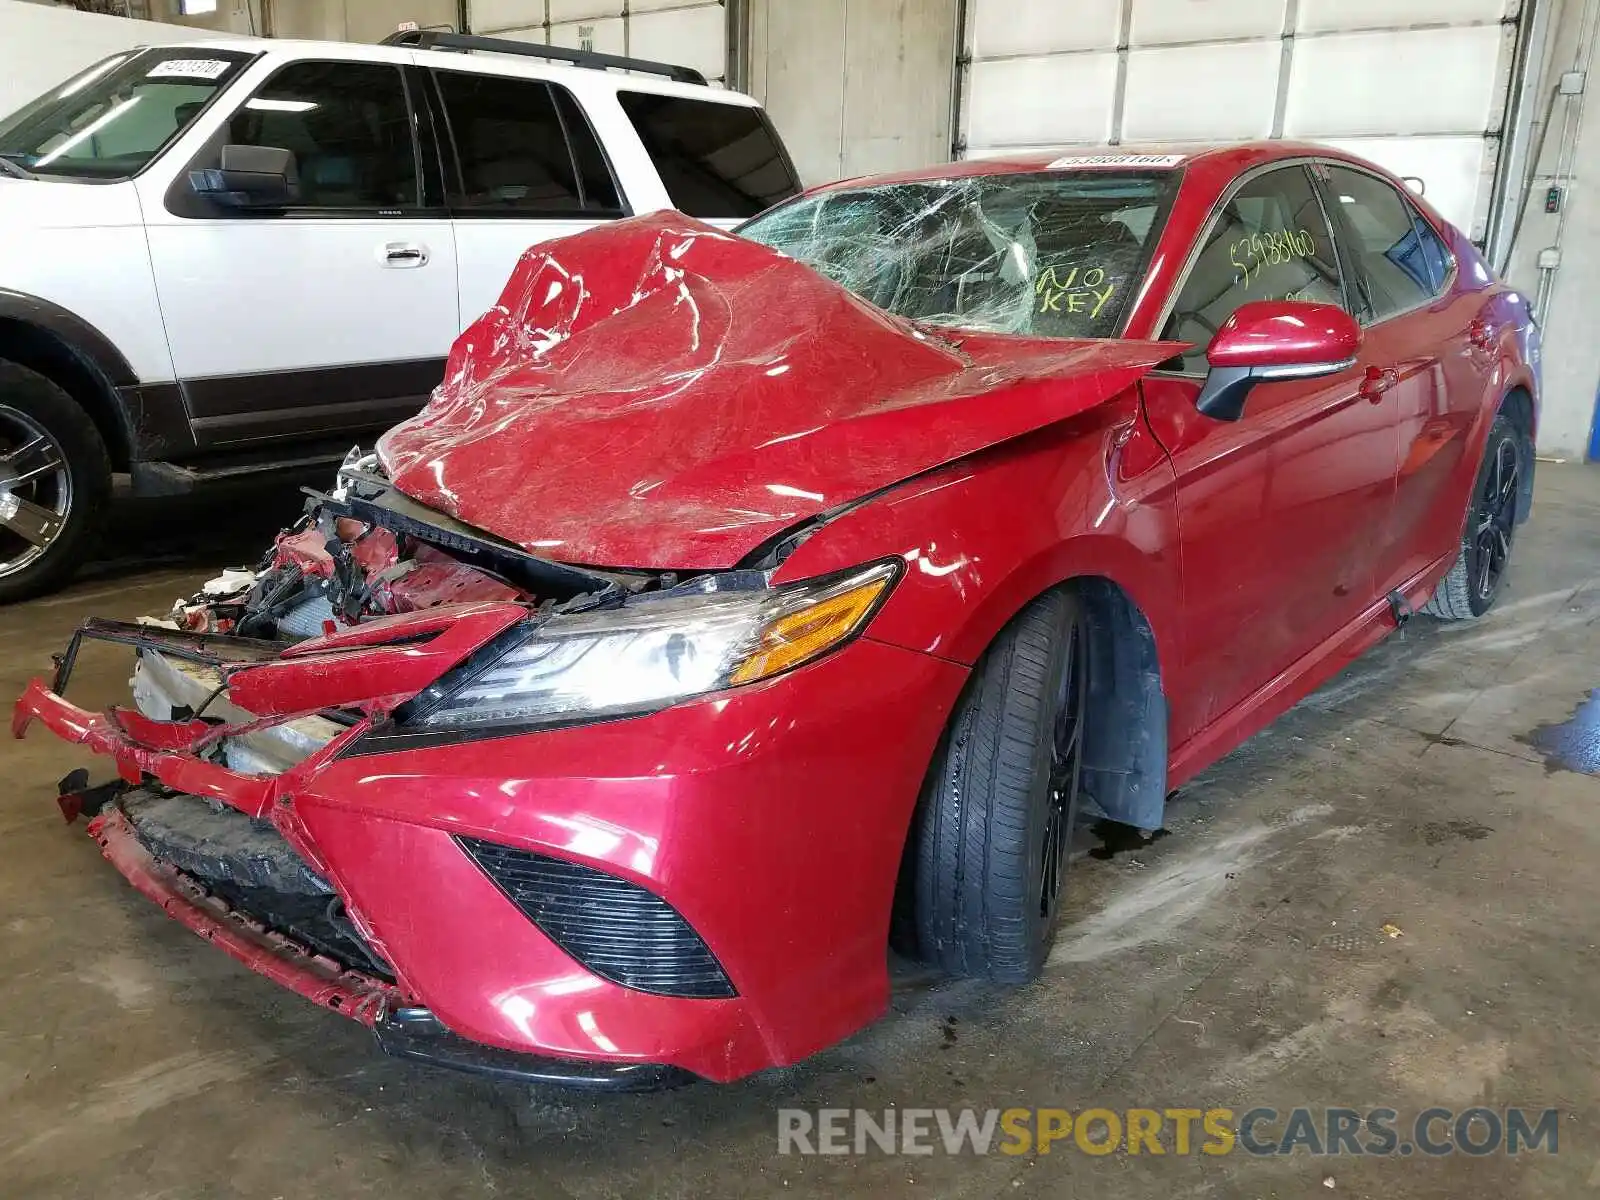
(523, 149)
(1399, 266)
(715, 160)
(1271, 242)
(349, 127)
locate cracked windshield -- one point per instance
(1047, 255)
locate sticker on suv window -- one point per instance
(188, 68)
(1116, 160)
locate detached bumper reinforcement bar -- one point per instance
(402, 1031)
(320, 980)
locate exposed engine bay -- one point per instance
(364, 550)
(360, 552)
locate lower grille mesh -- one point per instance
(616, 929)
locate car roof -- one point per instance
(487, 63)
(1227, 157)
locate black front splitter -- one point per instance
(417, 1034)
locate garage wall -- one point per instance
(356, 20)
(1416, 85)
(855, 86)
(692, 33)
(1569, 127)
(41, 46)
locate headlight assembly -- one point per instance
(648, 653)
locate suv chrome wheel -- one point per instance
(35, 490)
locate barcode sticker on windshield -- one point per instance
(188, 68)
(1116, 160)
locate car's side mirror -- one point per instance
(251, 177)
(1274, 339)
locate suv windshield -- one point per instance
(1047, 254)
(107, 122)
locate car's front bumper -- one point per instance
(771, 817)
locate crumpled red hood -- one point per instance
(658, 393)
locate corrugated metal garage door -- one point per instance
(1418, 86)
(692, 33)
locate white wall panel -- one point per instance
(605, 35)
(1418, 85)
(491, 16)
(693, 37)
(1042, 26)
(1160, 21)
(1315, 15)
(687, 32)
(537, 34)
(1241, 85)
(1453, 168)
(1423, 81)
(577, 10)
(1041, 101)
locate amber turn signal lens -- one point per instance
(794, 637)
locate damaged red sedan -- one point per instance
(734, 593)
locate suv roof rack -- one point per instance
(433, 39)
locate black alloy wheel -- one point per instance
(1066, 774)
(1494, 516)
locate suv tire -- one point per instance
(55, 480)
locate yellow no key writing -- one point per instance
(1073, 292)
(1269, 248)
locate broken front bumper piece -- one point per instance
(200, 840)
(702, 886)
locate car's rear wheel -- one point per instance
(1473, 583)
(55, 479)
(996, 819)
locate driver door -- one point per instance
(329, 317)
(1282, 513)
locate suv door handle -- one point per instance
(1378, 381)
(403, 254)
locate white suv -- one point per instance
(233, 257)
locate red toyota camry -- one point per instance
(733, 590)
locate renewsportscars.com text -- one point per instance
(1159, 1131)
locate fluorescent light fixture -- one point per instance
(262, 105)
(88, 131)
(196, 8)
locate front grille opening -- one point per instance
(249, 866)
(617, 929)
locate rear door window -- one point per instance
(525, 148)
(716, 160)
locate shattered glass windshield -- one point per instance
(1046, 254)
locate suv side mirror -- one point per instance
(251, 177)
(1274, 339)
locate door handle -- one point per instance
(1378, 381)
(1482, 334)
(403, 254)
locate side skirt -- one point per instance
(1258, 710)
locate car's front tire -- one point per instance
(995, 822)
(1473, 583)
(55, 480)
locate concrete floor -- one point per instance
(1240, 961)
